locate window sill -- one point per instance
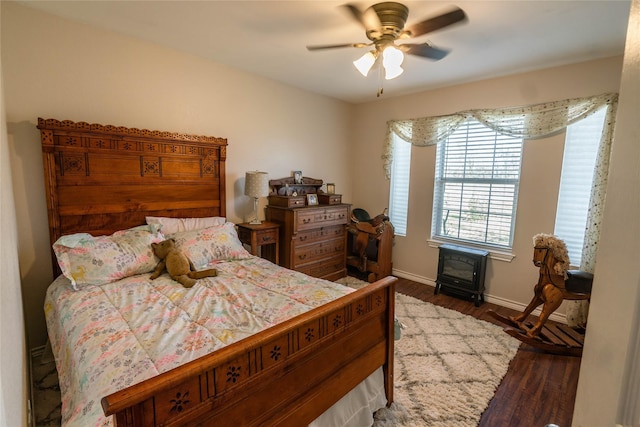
(493, 252)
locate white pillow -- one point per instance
(177, 225)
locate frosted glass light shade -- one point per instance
(365, 63)
(256, 184)
(392, 72)
(392, 58)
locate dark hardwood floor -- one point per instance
(539, 388)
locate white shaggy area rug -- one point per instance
(447, 365)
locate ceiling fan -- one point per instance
(384, 23)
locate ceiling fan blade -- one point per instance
(424, 50)
(336, 46)
(436, 23)
(368, 19)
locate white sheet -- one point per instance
(356, 408)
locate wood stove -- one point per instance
(461, 270)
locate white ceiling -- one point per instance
(269, 38)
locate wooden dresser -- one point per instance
(313, 239)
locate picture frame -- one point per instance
(312, 199)
(331, 188)
(297, 177)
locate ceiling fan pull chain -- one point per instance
(380, 80)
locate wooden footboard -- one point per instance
(286, 375)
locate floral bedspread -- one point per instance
(114, 335)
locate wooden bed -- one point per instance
(101, 179)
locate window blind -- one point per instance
(476, 188)
(579, 160)
(399, 188)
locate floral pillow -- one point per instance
(216, 243)
(88, 260)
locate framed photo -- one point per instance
(312, 199)
(297, 177)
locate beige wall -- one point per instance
(14, 388)
(609, 385)
(508, 283)
(60, 69)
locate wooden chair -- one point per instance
(370, 244)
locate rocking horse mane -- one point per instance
(558, 250)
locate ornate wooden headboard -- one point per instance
(100, 179)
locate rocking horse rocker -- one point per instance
(555, 284)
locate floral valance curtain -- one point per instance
(541, 121)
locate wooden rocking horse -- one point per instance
(556, 283)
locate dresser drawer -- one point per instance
(318, 234)
(318, 251)
(307, 219)
(330, 269)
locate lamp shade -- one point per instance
(256, 184)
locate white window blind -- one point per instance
(399, 190)
(476, 185)
(578, 163)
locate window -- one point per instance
(476, 186)
(578, 163)
(399, 191)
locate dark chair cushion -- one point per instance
(579, 282)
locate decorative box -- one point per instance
(329, 199)
(287, 201)
(282, 191)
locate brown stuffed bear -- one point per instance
(179, 267)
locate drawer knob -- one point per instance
(266, 238)
(306, 220)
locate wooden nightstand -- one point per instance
(263, 236)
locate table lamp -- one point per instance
(256, 185)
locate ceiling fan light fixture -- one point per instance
(384, 24)
(365, 62)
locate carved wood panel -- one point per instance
(109, 169)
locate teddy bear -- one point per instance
(179, 267)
